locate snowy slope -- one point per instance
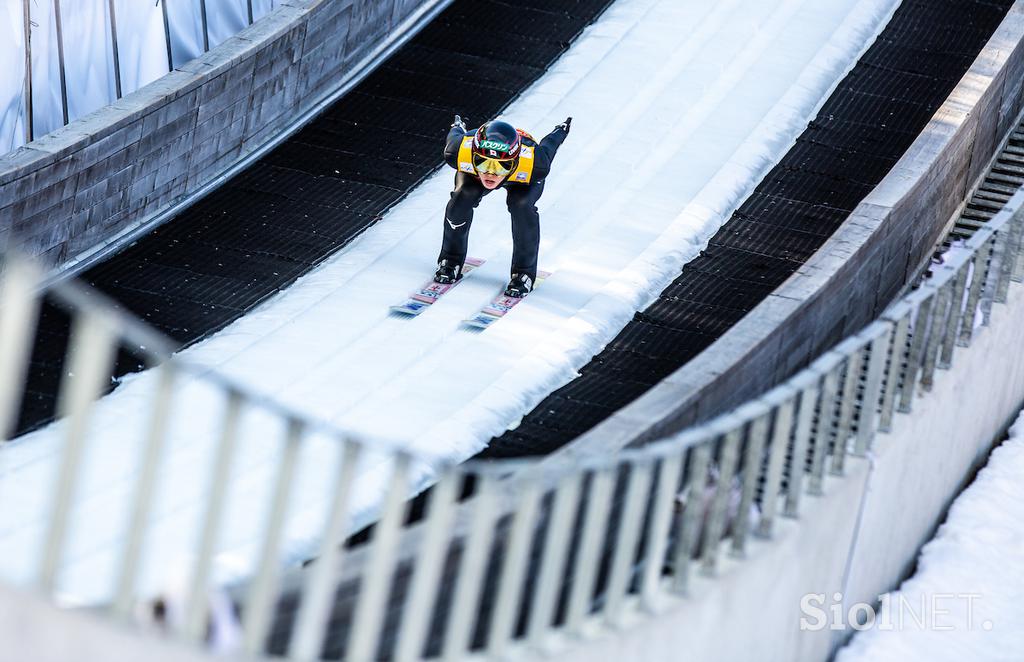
(679, 106)
(964, 601)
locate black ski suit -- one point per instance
(521, 200)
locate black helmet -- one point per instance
(496, 148)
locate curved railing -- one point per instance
(496, 556)
(558, 547)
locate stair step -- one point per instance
(970, 224)
(995, 188)
(1008, 169)
(994, 196)
(973, 214)
(989, 205)
(1000, 182)
(1011, 158)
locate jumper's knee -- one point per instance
(465, 199)
(523, 206)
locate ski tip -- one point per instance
(480, 321)
(410, 309)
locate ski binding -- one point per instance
(425, 297)
(499, 307)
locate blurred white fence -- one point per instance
(564, 548)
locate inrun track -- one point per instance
(680, 109)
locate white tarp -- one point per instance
(89, 54)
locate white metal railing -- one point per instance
(506, 553)
(48, 19)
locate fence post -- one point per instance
(979, 267)
(956, 312)
(376, 579)
(936, 330)
(915, 355)
(412, 629)
(688, 525)
(847, 398)
(260, 600)
(896, 357)
(196, 603)
(823, 430)
(595, 522)
(778, 446)
(113, 41)
(167, 35)
(801, 442)
(206, 27)
(754, 458)
(18, 317)
(311, 622)
(552, 560)
(145, 487)
(720, 503)
(867, 423)
(89, 359)
(990, 285)
(60, 60)
(29, 125)
(661, 520)
(513, 569)
(625, 546)
(458, 636)
(1008, 256)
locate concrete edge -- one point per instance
(695, 392)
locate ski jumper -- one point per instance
(523, 187)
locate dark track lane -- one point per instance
(322, 187)
(861, 131)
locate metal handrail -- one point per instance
(667, 505)
(28, 25)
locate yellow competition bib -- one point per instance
(521, 175)
(466, 156)
(524, 171)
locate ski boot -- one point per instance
(519, 286)
(447, 273)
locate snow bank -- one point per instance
(964, 602)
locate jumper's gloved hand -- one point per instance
(566, 125)
(459, 123)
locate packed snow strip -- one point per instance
(680, 108)
(964, 601)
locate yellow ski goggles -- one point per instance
(497, 167)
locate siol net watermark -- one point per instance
(929, 611)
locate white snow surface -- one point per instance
(680, 108)
(978, 551)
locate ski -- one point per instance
(425, 297)
(499, 307)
